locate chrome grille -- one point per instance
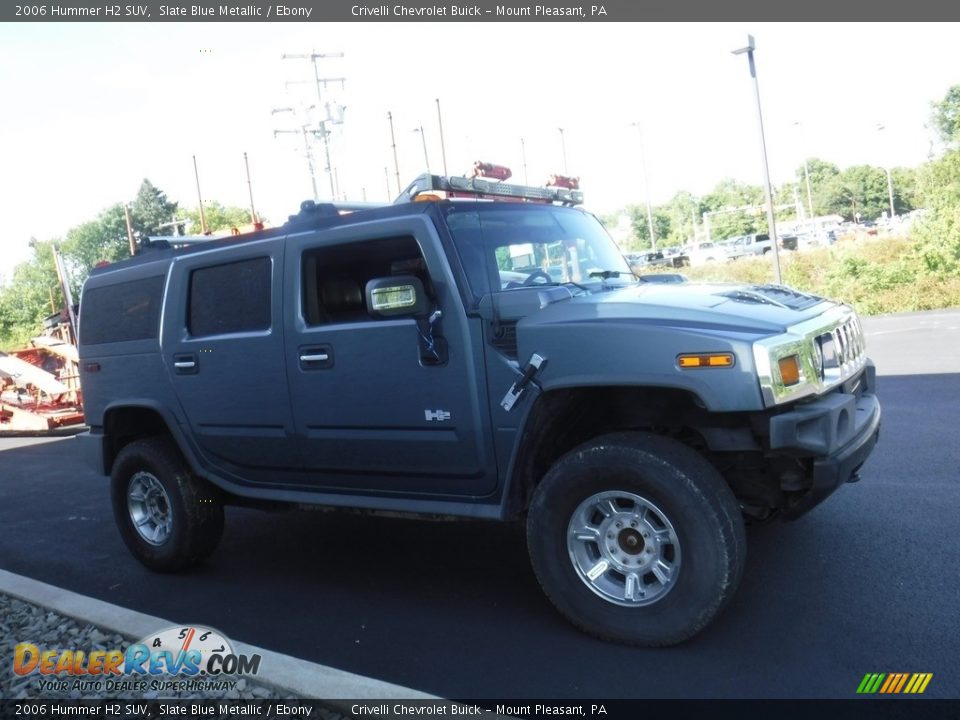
(843, 350)
(830, 348)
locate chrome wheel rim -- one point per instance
(624, 548)
(149, 508)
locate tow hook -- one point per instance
(855, 475)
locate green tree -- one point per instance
(641, 226)
(735, 209)
(905, 189)
(685, 213)
(946, 116)
(151, 209)
(25, 300)
(938, 234)
(823, 177)
(102, 239)
(217, 217)
(858, 192)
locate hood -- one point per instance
(760, 309)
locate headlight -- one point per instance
(811, 357)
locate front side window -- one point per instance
(230, 298)
(335, 277)
(506, 246)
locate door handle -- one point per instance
(315, 357)
(185, 364)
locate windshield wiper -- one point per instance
(607, 274)
(562, 284)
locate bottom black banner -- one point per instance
(118, 709)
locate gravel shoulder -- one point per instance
(25, 622)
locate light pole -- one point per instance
(806, 172)
(443, 149)
(646, 187)
(423, 137)
(523, 153)
(393, 146)
(880, 127)
(771, 223)
(563, 149)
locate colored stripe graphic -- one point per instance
(894, 683)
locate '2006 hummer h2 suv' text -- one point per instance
(477, 350)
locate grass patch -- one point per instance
(874, 274)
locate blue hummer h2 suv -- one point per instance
(476, 350)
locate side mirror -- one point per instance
(399, 295)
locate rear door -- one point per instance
(223, 346)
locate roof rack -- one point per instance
(486, 183)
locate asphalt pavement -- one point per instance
(867, 582)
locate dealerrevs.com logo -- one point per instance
(177, 658)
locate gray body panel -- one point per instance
(374, 426)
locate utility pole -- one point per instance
(563, 149)
(423, 137)
(523, 154)
(771, 223)
(886, 166)
(386, 176)
(806, 174)
(646, 187)
(443, 149)
(253, 213)
(307, 151)
(393, 144)
(126, 214)
(203, 219)
(318, 81)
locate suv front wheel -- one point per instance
(168, 518)
(636, 538)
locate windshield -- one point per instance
(506, 246)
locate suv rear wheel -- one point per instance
(167, 518)
(636, 538)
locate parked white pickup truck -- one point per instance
(747, 245)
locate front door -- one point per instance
(386, 404)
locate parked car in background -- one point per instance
(706, 252)
(789, 242)
(749, 245)
(641, 261)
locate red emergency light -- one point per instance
(489, 170)
(564, 181)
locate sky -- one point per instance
(90, 110)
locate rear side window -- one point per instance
(230, 298)
(121, 312)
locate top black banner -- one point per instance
(478, 11)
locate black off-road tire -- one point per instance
(193, 505)
(679, 484)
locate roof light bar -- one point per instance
(483, 188)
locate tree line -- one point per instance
(734, 208)
(33, 291)
(857, 193)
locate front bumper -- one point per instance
(839, 431)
